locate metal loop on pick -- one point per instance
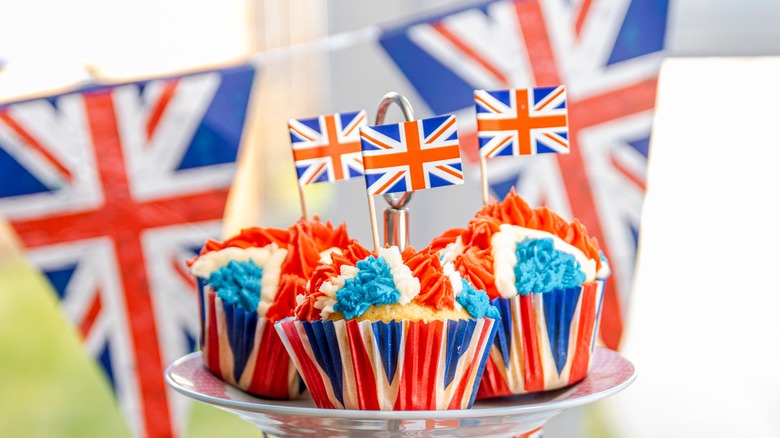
(396, 200)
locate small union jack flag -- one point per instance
(408, 156)
(327, 148)
(522, 121)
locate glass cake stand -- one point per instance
(521, 415)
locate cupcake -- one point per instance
(546, 276)
(390, 331)
(245, 285)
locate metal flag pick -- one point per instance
(401, 158)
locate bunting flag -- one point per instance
(327, 148)
(608, 53)
(111, 189)
(413, 155)
(522, 122)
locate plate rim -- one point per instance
(499, 411)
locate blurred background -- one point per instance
(694, 290)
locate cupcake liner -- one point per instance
(244, 350)
(545, 341)
(400, 365)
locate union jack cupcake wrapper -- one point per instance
(545, 341)
(244, 350)
(400, 365)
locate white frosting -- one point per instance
(504, 243)
(330, 287)
(455, 280)
(604, 271)
(269, 258)
(325, 257)
(405, 282)
(451, 251)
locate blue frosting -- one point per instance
(372, 285)
(476, 302)
(238, 283)
(542, 268)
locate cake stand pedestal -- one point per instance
(522, 415)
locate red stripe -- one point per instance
(91, 315)
(498, 146)
(534, 374)
(493, 383)
(185, 276)
(627, 173)
(212, 346)
(457, 398)
(271, 376)
(355, 124)
(389, 183)
(441, 130)
(169, 89)
(470, 52)
(533, 28)
(299, 133)
(309, 371)
(551, 98)
(137, 296)
(450, 171)
(579, 365)
(417, 389)
(316, 173)
(479, 99)
(33, 144)
(365, 380)
(581, 15)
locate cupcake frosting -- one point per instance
(265, 269)
(359, 279)
(510, 248)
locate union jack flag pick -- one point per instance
(327, 148)
(522, 121)
(414, 155)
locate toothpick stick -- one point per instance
(483, 170)
(303, 202)
(374, 227)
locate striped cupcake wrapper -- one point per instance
(545, 340)
(400, 365)
(244, 350)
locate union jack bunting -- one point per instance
(111, 189)
(414, 155)
(608, 53)
(522, 122)
(327, 148)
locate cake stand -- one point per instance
(521, 415)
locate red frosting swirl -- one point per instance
(304, 241)
(435, 288)
(476, 263)
(247, 238)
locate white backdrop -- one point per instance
(704, 330)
